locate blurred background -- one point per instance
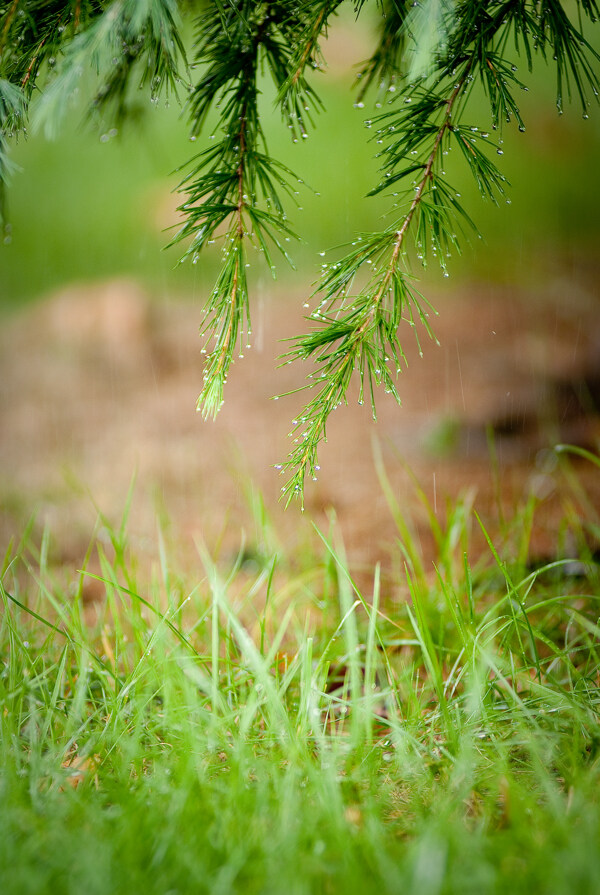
(101, 365)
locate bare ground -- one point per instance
(98, 386)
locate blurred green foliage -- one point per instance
(94, 204)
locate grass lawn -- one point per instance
(272, 729)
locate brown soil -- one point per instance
(98, 385)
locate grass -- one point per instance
(284, 731)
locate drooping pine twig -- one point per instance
(358, 332)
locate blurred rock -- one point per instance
(98, 388)
(108, 321)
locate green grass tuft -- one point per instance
(287, 732)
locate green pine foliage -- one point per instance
(432, 57)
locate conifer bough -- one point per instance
(429, 57)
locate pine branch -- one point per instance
(363, 337)
(358, 333)
(8, 20)
(360, 337)
(430, 25)
(384, 66)
(227, 314)
(127, 38)
(235, 192)
(12, 114)
(315, 17)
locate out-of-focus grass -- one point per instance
(285, 731)
(85, 207)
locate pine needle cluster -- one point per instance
(430, 58)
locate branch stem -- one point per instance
(240, 173)
(222, 362)
(32, 64)
(310, 44)
(427, 173)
